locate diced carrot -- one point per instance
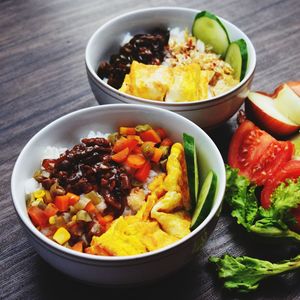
(38, 216)
(127, 130)
(101, 219)
(90, 208)
(108, 218)
(135, 137)
(156, 155)
(62, 202)
(50, 210)
(143, 173)
(166, 142)
(135, 161)
(151, 136)
(73, 198)
(78, 246)
(137, 150)
(120, 156)
(161, 132)
(123, 143)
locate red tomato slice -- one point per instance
(290, 169)
(272, 160)
(247, 146)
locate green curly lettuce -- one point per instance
(244, 273)
(273, 222)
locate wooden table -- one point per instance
(42, 77)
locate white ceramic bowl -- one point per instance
(107, 40)
(127, 270)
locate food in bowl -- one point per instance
(116, 270)
(117, 194)
(174, 65)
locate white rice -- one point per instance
(52, 152)
(177, 36)
(126, 38)
(31, 185)
(94, 134)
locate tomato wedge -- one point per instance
(290, 169)
(257, 154)
(247, 145)
(272, 160)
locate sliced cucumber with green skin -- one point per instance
(237, 57)
(190, 154)
(209, 29)
(205, 199)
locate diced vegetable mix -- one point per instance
(75, 205)
(115, 187)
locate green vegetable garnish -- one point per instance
(205, 199)
(237, 57)
(190, 154)
(244, 273)
(208, 28)
(273, 222)
(142, 127)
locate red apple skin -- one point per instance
(294, 85)
(267, 122)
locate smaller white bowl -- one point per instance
(119, 270)
(107, 40)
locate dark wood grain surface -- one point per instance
(42, 77)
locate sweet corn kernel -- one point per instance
(74, 218)
(39, 194)
(61, 235)
(52, 220)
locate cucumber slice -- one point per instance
(205, 199)
(192, 167)
(237, 57)
(209, 29)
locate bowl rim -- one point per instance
(101, 82)
(23, 216)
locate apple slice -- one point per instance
(263, 111)
(288, 103)
(295, 86)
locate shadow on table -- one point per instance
(191, 282)
(188, 283)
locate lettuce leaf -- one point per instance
(244, 273)
(240, 195)
(273, 222)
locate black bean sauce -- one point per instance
(88, 166)
(147, 48)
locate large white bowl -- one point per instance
(67, 131)
(107, 40)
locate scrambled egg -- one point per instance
(147, 81)
(162, 219)
(189, 84)
(163, 83)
